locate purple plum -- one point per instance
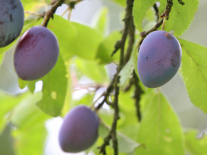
(79, 130)
(36, 53)
(159, 59)
(11, 21)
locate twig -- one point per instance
(116, 117)
(159, 23)
(128, 30)
(167, 9)
(50, 12)
(156, 11)
(131, 40)
(163, 24)
(108, 91)
(116, 47)
(181, 2)
(137, 95)
(66, 10)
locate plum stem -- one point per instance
(69, 13)
(55, 5)
(66, 10)
(163, 24)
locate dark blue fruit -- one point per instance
(11, 21)
(36, 53)
(79, 130)
(159, 58)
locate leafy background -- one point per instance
(167, 115)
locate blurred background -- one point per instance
(85, 13)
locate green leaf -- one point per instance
(86, 42)
(121, 2)
(66, 35)
(106, 48)
(68, 97)
(101, 21)
(126, 145)
(6, 142)
(194, 72)
(92, 69)
(160, 131)
(128, 110)
(8, 102)
(54, 89)
(23, 110)
(32, 6)
(30, 131)
(180, 16)
(196, 146)
(139, 11)
(75, 39)
(86, 100)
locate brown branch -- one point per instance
(55, 4)
(106, 142)
(167, 9)
(117, 46)
(129, 29)
(137, 95)
(51, 12)
(156, 11)
(116, 117)
(131, 40)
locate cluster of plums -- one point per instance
(37, 50)
(159, 59)
(36, 53)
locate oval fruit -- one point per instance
(79, 130)
(36, 53)
(159, 59)
(11, 21)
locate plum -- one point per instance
(36, 53)
(11, 21)
(159, 59)
(79, 130)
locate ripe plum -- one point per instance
(159, 59)
(11, 21)
(36, 53)
(79, 130)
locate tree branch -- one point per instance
(50, 12)
(129, 29)
(156, 11)
(137, 95)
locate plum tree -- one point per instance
(79, 130)
(11, 21)
(159, 59)
(36, 53)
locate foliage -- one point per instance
(133, 119)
